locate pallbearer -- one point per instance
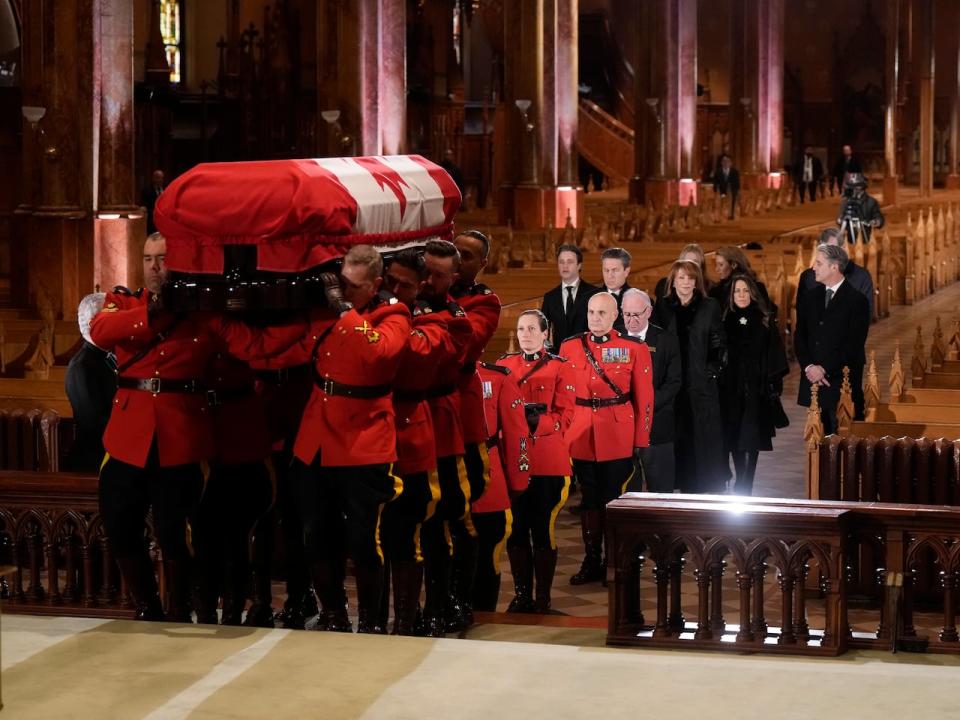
(483, 311)
(508, 452)
(612, 378)
(532, 547)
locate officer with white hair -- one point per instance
(91, 382)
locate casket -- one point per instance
(258, 234)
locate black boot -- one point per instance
(142, 583)
(177, 576)
(437, 583)
(383, 614)
(407, 580)
(486, 591)
(462, 577)
(333, 598)
(260, 613)
(591, 570)
(544, 566)
(369, 595)
(235, 594)
(521, 565)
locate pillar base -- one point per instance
(118, 251)
(661, 191)
(754, 181)
(890, 190)
(953, 183)
(637, 190)
(532, 207)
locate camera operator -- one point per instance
(859, 212)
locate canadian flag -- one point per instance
(302, 213)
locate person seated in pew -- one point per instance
(858, 276)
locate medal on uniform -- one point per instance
(615, 355)
(487, 389)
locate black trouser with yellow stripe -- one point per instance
(341, 510)
(493, 533)
(235, 497)
(127, 493)
(600, 483)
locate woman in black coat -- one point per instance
(730, 262)
(752, 380)
(695, 319)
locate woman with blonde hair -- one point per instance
(695, 318)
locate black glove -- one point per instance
(334, 293)
(533, 412)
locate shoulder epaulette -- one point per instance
(455, 309)
(506, 355)
(123, 290)
(385, 297)
(557, 357)
(481, 289)
(632, 339)
(421, 307)
(495, 368)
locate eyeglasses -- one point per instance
(628, 315)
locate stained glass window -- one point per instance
(170, 29)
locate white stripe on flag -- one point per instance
(430, 201)
(378, 208)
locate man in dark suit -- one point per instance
(807, 174)
(148, 198)
(657, 461)
(566, 305)
(615, 265)
(856, 275)
(832, 326)
(846, 165)
(726, 181)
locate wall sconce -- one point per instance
(523, 106)
(332, 118)
(33, 115)
(747, 104)
(654, 105)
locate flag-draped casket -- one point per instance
(255, 234)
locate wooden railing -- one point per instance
(799, 539)
(605, 142)
(50, 530)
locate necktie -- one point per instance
(568, 307)
(829, 298)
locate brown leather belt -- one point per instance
(597, 403)
(227, 395)
(157, 385)
(441, 391)
(360, 392)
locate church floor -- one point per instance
(71, 668)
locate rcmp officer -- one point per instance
(508, 452)
(657, 462)
(453, 509)
(532, 546)
(347, 442)
(238, 492)
(612, 379)
(159, 432)
(482, 307)
(430, 345)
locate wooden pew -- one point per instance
(705, 532)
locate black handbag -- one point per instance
(777, 414)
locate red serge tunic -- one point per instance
(483, 311)
(180, 421)
(609, 431)
(240, 430)
(542, 380)
(507, 444)
(358, 349)
(444, 399)
(430, 344)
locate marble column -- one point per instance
(925, 29)
(756, 89)
(393, 77)
(892, 73)
(673, 102)
(953, 178)
(645, 129)
(119, 225)
(567, 89)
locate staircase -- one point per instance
(605, 142)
